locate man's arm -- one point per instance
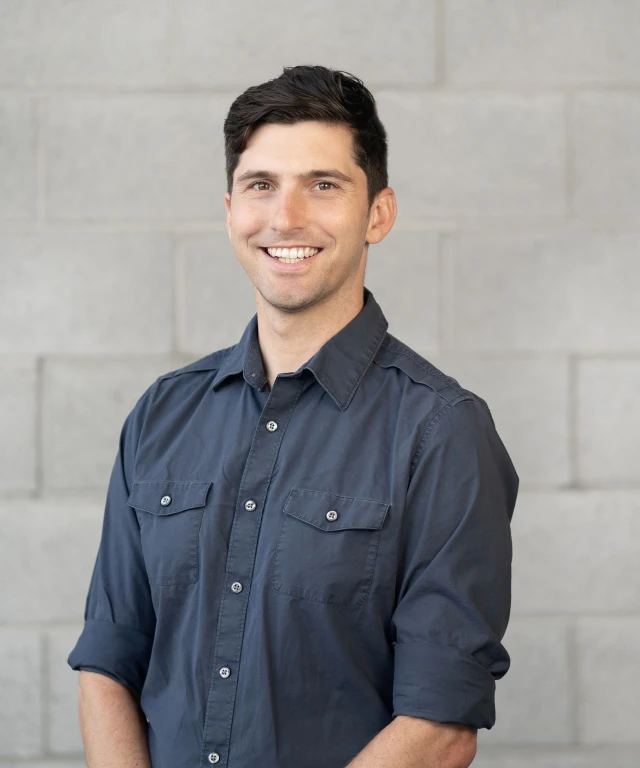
(113, 650)
(411, 742)
(454, 594)
(112, 724)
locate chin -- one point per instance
(288, 302)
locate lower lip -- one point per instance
(295, 266)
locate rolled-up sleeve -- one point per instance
(119, 616)
(454, 593)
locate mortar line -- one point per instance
(45, 690)
(490, 224)
(187, 91)
(573, 669)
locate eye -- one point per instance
(259, 189)
(327, 184)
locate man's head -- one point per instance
(306, 158)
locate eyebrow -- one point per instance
(329, 173)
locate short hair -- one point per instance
(311, 93)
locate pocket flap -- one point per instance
(178, 495)
(351, 512)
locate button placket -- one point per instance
(256, 479)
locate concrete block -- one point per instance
(85, 405)
(20, 692)
(611, 757)
(469, 154)
(609, 680)
(576, 552)
(52, 764)
(529, 401)
(64, 728)
(607, 160)
(104, 43)
(47, 552)
(533, 699)
(390, 43)
(546, 292)
(402, 273)
(138, 157)
(88, 293)
(17, 158)
(217, 298)
(608, 421)
(542, 42)
(18, 424)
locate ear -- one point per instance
(382, 215)
(227, 205)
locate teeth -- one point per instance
(289, 255)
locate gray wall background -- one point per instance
(514, 265)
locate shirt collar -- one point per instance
(339, 365)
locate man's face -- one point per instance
(298, 186)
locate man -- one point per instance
(305, 558)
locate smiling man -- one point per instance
(306, 556)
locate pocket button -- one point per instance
(331, 515)
(165, 501)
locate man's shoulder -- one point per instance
(430, 381)
(210, 362)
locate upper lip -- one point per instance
(291, 245)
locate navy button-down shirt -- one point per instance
(282, 571)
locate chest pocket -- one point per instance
(327, 547)
(170, 515)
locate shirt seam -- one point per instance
(431, 426)
(396, 346)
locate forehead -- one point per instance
(296, 148)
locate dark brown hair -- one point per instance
(311, 93)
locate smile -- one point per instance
(291, 255)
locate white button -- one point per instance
(250, 505)
(236, 587)
(214, 757)
(332, 515)
(225, 671)
(165, 501)
(272, 426)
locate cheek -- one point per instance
(347, 226)
(244, 221)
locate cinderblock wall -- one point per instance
(514, 265)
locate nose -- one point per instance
(289, 211)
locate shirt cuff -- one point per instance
(442, 684)
(122, 653)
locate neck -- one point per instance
(289, 339)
